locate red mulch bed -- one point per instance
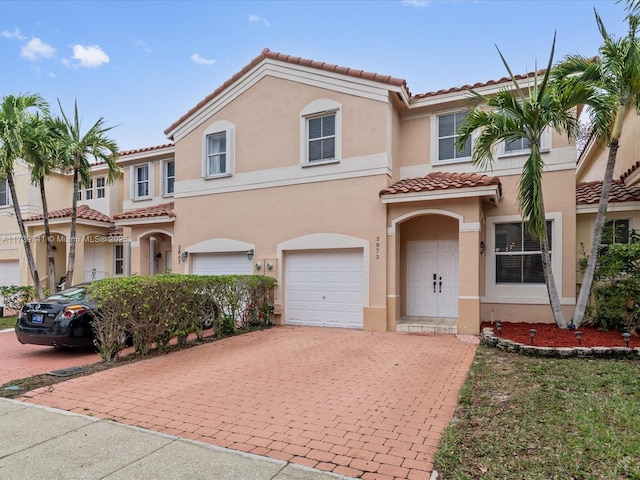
(548, 335)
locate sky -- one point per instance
(141, 65)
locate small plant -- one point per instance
(616, 292)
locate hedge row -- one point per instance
(153, 310)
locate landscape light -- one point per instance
(626, 336)
(532, 333)
(499, 326)
(578, 334)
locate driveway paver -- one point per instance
(21, 361)
(359, 404)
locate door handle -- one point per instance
(434, 282)
(440, 285)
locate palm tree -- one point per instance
(76, 150)
(525, 114)
(16, 122)
(39, 153)
(614, 77)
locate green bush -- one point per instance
(153, 310)
(616, 291)
(14, 297)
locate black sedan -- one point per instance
(60, 320)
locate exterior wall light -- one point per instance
(482, 247)
(250, 254)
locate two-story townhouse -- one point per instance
(347, 189)
(147, 214)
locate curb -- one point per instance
(489, 339)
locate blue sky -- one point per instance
(143, 64)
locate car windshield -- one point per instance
(73, 293)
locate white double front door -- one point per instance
(432, 278)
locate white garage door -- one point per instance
(9, 273)
(234, 263)
(324, 288)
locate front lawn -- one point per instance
(532, 418)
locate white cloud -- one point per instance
(196, 58)
(15, 34)
(91, 56)
(36, 49)
(416, 3)
(257, 19)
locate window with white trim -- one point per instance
(321, 132)
(448, 134)
(118, 259)
(516, 144)
(321, 138)
(100, 187)
(615, 231)
(217, 154)
(218, 150)
(88, 191)
(169, 177)
(5, 194)
(141, 181)
(518, 259)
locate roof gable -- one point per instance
(348, 80)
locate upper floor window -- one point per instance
(448, 134)
(218, 150)
(321, 132)
(5, 194)
(141, 181)
(217, 154)
(100, 187)
(518, 258)
(321, 135)
(169, 176)
(517, 145)
(615, 231)
(88, 191)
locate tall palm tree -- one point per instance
(77, 151)
(40, 154)
(525, 114)
(614, 77)
(16, 122)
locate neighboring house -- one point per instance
(147, 214)
(623, 211)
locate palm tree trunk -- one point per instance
(47, 233)
(25, 238)
(72, 247)
(549, 278)
(598, 226)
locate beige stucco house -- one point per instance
(346, 188)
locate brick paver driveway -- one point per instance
(360, 404)
(21, 361)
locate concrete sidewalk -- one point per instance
(44, 443)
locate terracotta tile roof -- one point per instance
(442, 181)
(268, 54)
(145, 149)
(82, 212)
(588, 193)
(114, 232)
(477, 85)
(165, 209)
(633, 168)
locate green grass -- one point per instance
(521, 417)
(7, 322)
